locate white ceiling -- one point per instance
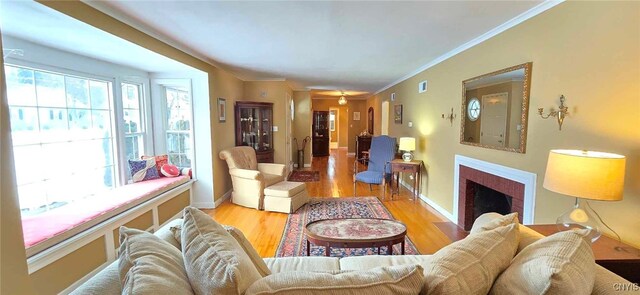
(39, 24)
(332, 45)
(342, 45)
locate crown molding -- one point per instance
(542, 7)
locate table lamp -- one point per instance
(407, 144)
(584, 175)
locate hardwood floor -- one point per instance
(264, 229)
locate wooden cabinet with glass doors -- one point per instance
(254, 128)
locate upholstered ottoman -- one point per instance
(285, 196)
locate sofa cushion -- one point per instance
(249, 250)
(271, 179)
(470, 266)
(371, 261)
(285, 189)
(149, 265)
(491, 220)
(214, 260)
(306, 263)
(405, 279)
(562, 263)
(241, 239)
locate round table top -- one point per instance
(354, 229)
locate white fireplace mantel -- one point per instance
(524, 177)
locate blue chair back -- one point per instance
(383, 150)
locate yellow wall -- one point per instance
(302, 123)
(224, 85)
(588, 51)
(276, 93)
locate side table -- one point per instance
(620, 258)
(401, 166)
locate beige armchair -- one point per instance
(249, 177)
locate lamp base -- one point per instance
(580, 217)
(407, 156)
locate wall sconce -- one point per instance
(450, 117)
(560, 114)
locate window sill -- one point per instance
(50, 228)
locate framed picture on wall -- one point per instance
(222, 110)
(397, 114)
(356, 116)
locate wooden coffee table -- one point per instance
(355, 233)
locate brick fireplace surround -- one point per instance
(468, 176)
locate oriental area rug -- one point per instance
(304, 176)
(294, 242)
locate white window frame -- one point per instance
(159, 105)
(117, 124)
(146, 117)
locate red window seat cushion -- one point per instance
(41, 227)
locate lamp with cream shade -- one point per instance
(408, 145)
(584, 175)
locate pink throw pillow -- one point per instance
(161, 160)
(169, 170)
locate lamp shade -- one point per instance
(585, 174)
(407, 144)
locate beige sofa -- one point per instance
(249, 177)
(107, 281)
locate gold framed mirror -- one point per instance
(495, 109)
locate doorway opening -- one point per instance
(333, 128)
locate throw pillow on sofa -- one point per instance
(402, 279)
(149, 265)
(258, 262)
(562, 263)
(492, 220)
(470, 266)
(215, 262)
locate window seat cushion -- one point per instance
(38, 228)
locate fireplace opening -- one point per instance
(489, 200)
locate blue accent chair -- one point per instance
(383, 150)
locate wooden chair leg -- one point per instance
(384, 189)
(370, 188)
(354, 188)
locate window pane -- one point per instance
(77, 93)
(53, 124)
(28, 164)
(99, 95)
(132, 123)
(130, 96)
(80, 126)
(101, 123)
(133, 145)
(50, 90)
(32, 197)
(24, 125)
(56, 158)
(20, 86)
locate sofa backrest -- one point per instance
(107, 281)
(240, 157)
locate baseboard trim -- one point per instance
(305, 165)
(431, 203)
(351, 154)
(221, 200)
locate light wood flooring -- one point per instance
(264, 229)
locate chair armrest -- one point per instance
(246, 174)
(270, 168)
